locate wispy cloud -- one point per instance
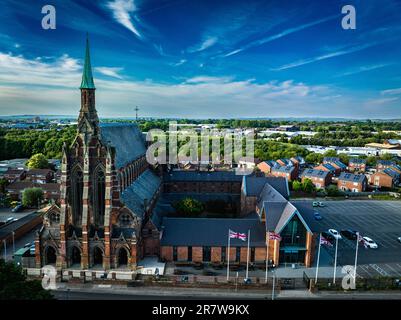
(325, 56)
(205, 44)
(363, 69)
(122, 10)
(179, 63)
(279, 35)
(109, 71)
(391, 91)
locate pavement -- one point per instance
(6, 213)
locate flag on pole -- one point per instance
(274, 236)
(237, 235)
(326, 242)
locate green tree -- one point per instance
(314, 158)
(38, 161)
(332, 191)
(330, 153)
(297, 186)
(15, 286)
(189, 206)
(3, 185)
(31, 197)
(308, 186)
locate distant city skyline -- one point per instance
(202, 59)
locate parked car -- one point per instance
(17, 208)
(328, 236)
(10, 219)
(317, 216)
(349, 234)
(335, 234)
(399, 239)
(321, 204)
(315, 204)
(370, 243)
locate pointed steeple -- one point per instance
(87, 78)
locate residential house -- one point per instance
(357, 165)
(384, 164)
(40, 175)
(326, 167)
(352, 182)
(12, 175)
(267, 166)
(289, 172)
(321, 179)
(387, 178)
(336, 163)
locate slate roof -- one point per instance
(386, 162)
(345, 176)
(253, 185)
(211, 176)
(314, 173)
(329, 167)
(286, 169)
(271, 163)
(210, 232)
(144, 187)
(357, 160)
(392, 173)
(126, 139)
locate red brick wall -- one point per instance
(166, 253)
(197, 254)
(216, 254)
(182, 253)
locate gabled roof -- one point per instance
(357, 160)
(386, 162)
(314, 173)
(345, 176)
(286, 169)
(253, 185)
(126, 139)
(144, 187)
(392, 173)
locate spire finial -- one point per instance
(87, 78)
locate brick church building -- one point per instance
(115, 208)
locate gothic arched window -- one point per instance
(77, 187)
(99, 193)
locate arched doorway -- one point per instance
(51, 256)
(122, 257)
(97, 257)
(75, 256)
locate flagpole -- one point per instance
(335, 262)
(318, 258)
(356, 256)
(247, 255)
(267, 256)
(228, 256)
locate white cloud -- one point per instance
(391, 91)
(205, 44)
(109, 71)
(325, 56)
(122, 10)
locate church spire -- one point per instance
(88, 120)
(87, 78)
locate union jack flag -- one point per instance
(237, 235)
(274, 236)
(324, 241)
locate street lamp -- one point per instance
(13, 242)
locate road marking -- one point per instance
(397, 272)
(379, 270)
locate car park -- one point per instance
(335, 234)
(370, 243)
(317, 216)
(328, 236)
(349, 234)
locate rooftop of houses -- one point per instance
(357, 161)
(345, 176)
(392, 173)
(314, 173)
(386, 162)
(286, 169)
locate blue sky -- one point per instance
(204, 58)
